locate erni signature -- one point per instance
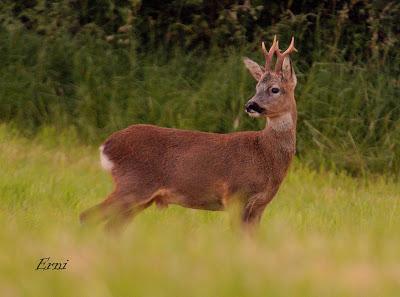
(47, 264)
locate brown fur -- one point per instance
(202, 170)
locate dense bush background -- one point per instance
(97, 66)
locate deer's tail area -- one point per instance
(105, 161)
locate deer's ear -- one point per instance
(288, 71)
(255, 69)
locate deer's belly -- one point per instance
(205, 205)
(206, 201)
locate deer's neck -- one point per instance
(282, 123)
(278, 145)
(280, 133)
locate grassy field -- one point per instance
(325, 234)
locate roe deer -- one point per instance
(204, 170)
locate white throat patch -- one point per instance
(281, 123)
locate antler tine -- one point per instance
(268, 55)
(281, 56)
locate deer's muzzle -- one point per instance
(253, 107)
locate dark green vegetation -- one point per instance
(97, 66)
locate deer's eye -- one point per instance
(275, 90)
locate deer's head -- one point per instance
(275, 88)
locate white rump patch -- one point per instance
(104, 160)
(281, 123)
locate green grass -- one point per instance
(325, 234)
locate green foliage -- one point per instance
(98, 66)
(350, 118)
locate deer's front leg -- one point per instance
(253, 211)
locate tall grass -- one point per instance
(348, 114)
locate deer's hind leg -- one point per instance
(131, 207)
(119, 206)
(121, 218)
(100, 212)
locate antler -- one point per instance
(281, 56)
(268, 55)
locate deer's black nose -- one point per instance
(253, 107)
